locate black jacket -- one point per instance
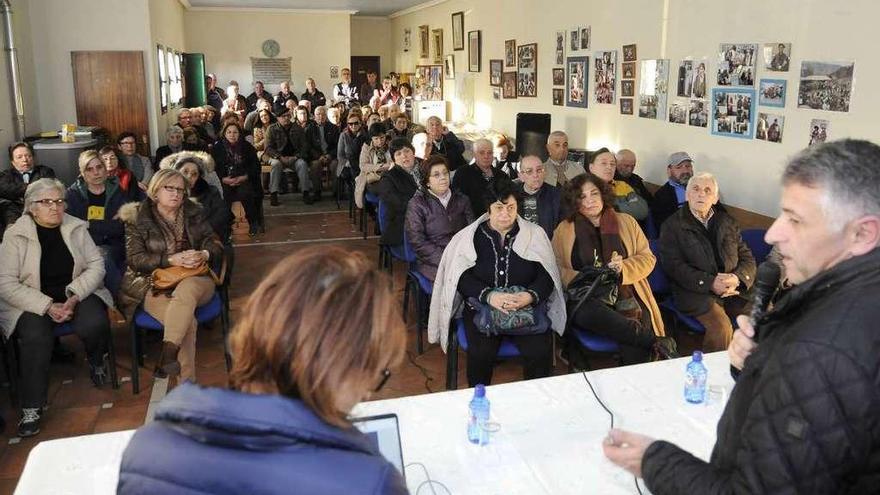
(395, 189)
(12, 188)
(471, 182)
(689, 259)
(317, 99)
(549, 206)
(803, 417)
(281, 99)
(249, 166)
(331, 137)
(452, 148)
(216, 211)
(664, 204)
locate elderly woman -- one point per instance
(710, 266)
(434, 214)
(603, 163)
(210, 121)
(173, 143)
(348, 148)
(284, 421)
(505, 158)
(115, 168)
(167, 230)
(51, 273)
(239, 171)
(507, 263)
(15, 179)
(195, 166)
(264, 120)
(97, 198)
(139, 165)
(596, 235)
(395, 189)
(375, 160)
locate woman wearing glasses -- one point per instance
(165, 230)
(283, 425)
(348, 148)
(51, 273)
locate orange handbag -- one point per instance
(168, 278)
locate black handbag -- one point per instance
(530, 320)
(592, 282)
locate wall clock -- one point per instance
(271, 48)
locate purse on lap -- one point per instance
(530, 320)
(164, 279)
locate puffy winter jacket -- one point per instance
(429, 227)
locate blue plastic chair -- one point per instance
(458, 338)
(143, 321)
(369, 198)
(420, 287)
(754, 238)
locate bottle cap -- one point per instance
(698, 356)
(480, 390)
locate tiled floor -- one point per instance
(77, 408)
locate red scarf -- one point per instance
(124, 175)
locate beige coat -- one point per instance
(637, 265)
(530, 244)
(20, 269)
(368, 173)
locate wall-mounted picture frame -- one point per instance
(437, 45)
(628, 70)
(428, 83)
(423, 41)
(508, 84)
(558, 97)
(627, 88)
(527, 70)
(510, 53)
(458, 31)
(626, 106)
(733, 112)
(558, 76)
(771, 92)
(474, 47)
(449, 67)
(630, 53)
(407, 39)
(496, 67)
(576, 71)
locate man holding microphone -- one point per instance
(804, 416)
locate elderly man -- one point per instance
(626, 165)
(254, 116)
(215, 94)
(258, 94)
(671, 195)
(559, 169)
(15, 179)
(283, 96)
(540, 201)
(803, 417)
(445, 142)
(323, 139)
(368, 88)
(346, 91)
(472, 180)
(312, 95)
(286, 147)
(709, 265)
(234, 102)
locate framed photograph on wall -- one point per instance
(771, 92)
(437, 45)
(576, 72)
(733, 112)
(629, 53)
(508, 84)
(628, 70)
(627, 88)
(653, 89)
(826, 85)
(626, 106)
(449, 67)
(510, 53)
(458, 30)
(474, 51)
(423, 41)
(495, 69)
(769, 127)
(605, 76)
(428, 83)
(558, 96)
(527, 70)
(558, 76)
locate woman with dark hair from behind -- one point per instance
(284, 425)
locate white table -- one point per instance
(552, 429)
(550, 440)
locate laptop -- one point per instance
(383, 431)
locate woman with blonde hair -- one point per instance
(306, 350)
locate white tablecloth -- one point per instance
(550, 439)
(552, 429)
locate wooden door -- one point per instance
(111, 92)
(359, 67)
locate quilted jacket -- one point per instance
(804, 416)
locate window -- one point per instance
(181, 78)
(170, 77)
(163, 79)
(173, 79)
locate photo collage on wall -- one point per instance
(690, 106)
(628, 79)
(605, 77)
(653, 89)
(558, 91)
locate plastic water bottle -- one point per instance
(695, 380)
(478, 416)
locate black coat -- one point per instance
(215, 209)
(549, 207)
(280, 99)
(12, 188)
(452, 148)
(395, 189)
(472, 183)
(803, 417)
(665, 203)
(688, 258)
(250, 165)
(331, 137)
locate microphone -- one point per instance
(766, 282)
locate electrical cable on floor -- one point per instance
(422, 370)
(428, 481)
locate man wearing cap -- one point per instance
(558, 168)
(671, 195)
(285, 148)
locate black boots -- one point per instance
(273, 199)
(167, 365)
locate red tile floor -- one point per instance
(78, 408)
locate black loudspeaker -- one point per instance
(532, 130)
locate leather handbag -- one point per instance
(164, 279)
(530, 320)
(592, 282)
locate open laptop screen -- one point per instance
(384, 433)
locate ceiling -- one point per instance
(363, 7)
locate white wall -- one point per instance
(166, 29)
(22, 33)
(229, 38)
(371, 36)
(675, 29)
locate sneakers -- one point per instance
(29, 424)
(665, 348)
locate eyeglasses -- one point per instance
(439, 175)
(386, 374)
(172, 190)
(354, 123)
(48, 203)
(128, 143)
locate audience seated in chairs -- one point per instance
(234, 102)
(97, 198)
(473, 179)
(239, 171)
(264, 120)
(559, 169)
(594, 235)
(307, 171)
(195, 166)
(210, 122)
(284, 95)
(505, 158)
(375, 160)
(173, 144)
(603, 164)
(51, 273)
(168, 230)
(285, 148)
(395, 189)
(312, 95)
(348, 149)
(284, 422)
(709, 265)
(259, 93)
(323, 138)
(139, 164)
(445, 142)
(115, 168)
(672, 195)
(15, 179)
(507, 263)
(253, 117)
(626, 165)
(434, 214)
(540, 202)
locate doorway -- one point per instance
(111, 92)
(360, 66)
